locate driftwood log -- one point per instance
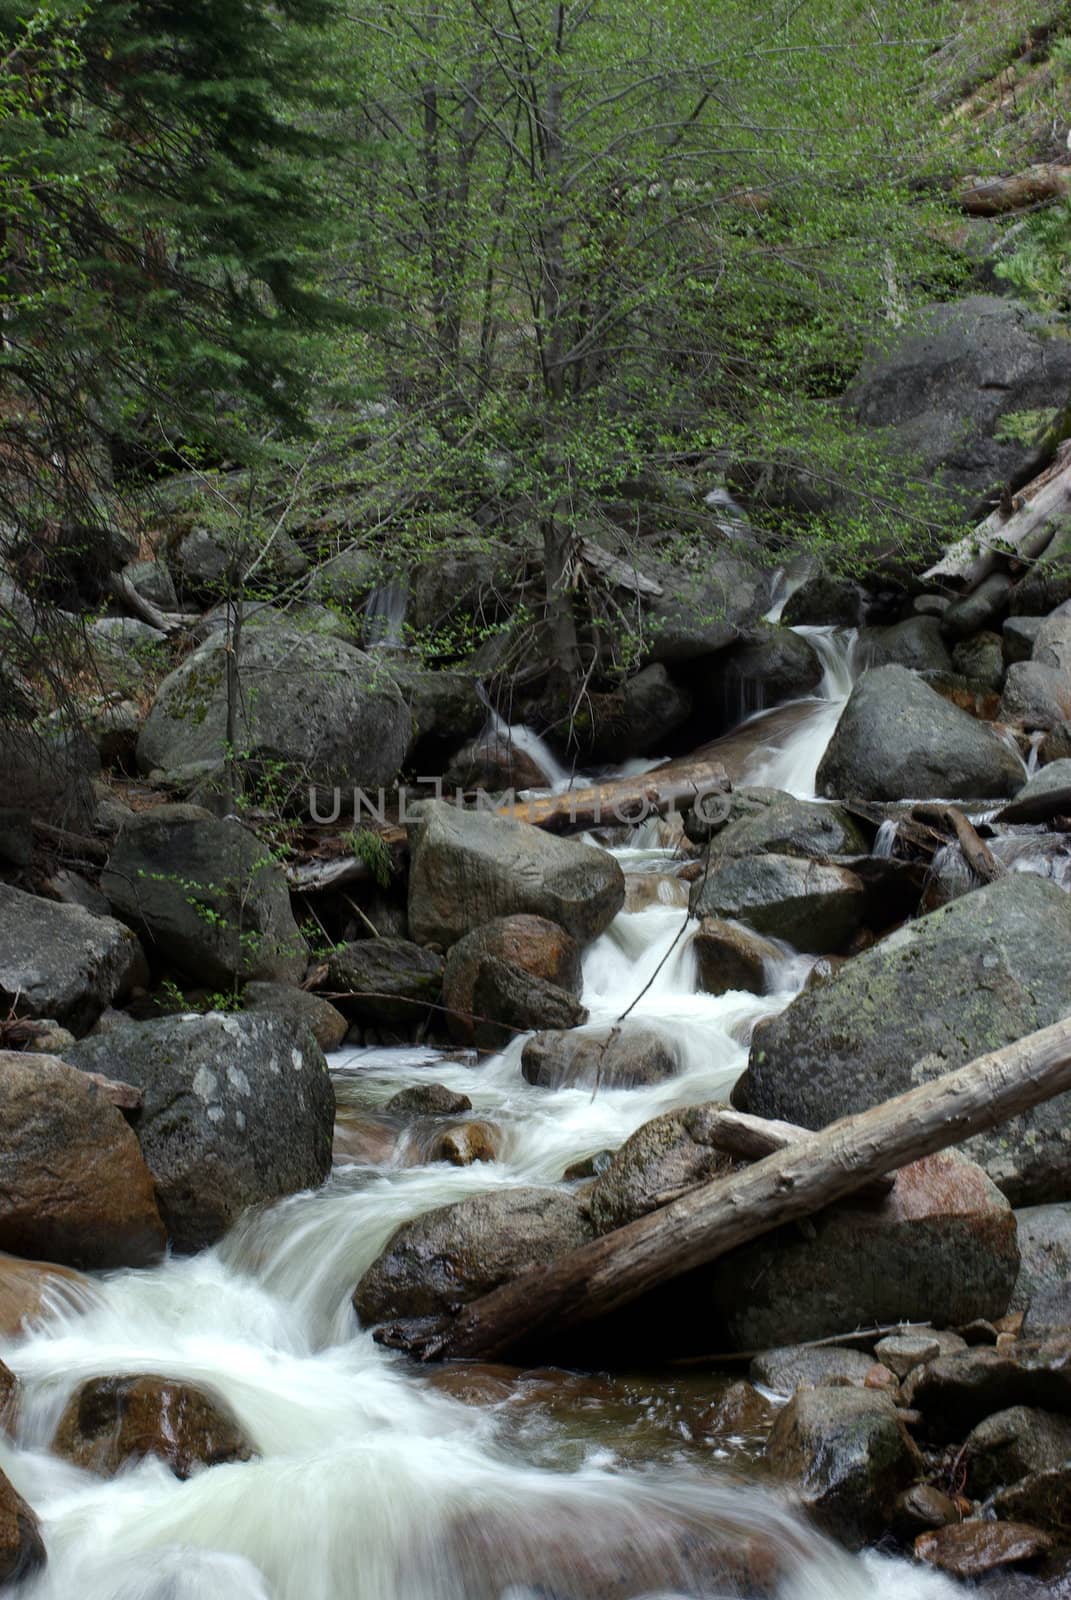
(621, 800)
(995, 197)
(599, 1277)
(977, 854)
(738, 1133)
(1022, 530)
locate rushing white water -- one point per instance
(384, 614)
(370, 1483)
(789, 759)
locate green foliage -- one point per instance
(1040, 267)
(370, 848)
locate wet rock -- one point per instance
(496, 765)
(1012, 1443)
(811, 905)
(636, 719)
(941, 1247)
(763, 821)
(645, 889)
(921, 1508)
(902, 1352)
(917, 643)
(239, 1109)
(981, 658)
(22, 1549)
(1056, 745)
(957, 1392)
(973, 976)
(898, 739)
(973, 1549)
(456, 1253)
(363, 1141)
(507, 1000)
(73, 1185)
(468, 868)
(61, 962)
(590, 1167)
(663, 1157)
(1042, 1498)
(1046, 795)
(385, 980)
(797, 1366)
(466, 1143)
(315, 711)
(301, 1009)
(729, 956)
(533, 945)
(625, 1056)
(824, 601)
(29, 1290)
(427, 1100)
(849, 1454)
(740, 1411)
(207, 896)
(109, 1422)
(698, 614)
(9, 1388)
(1036, 696)
(764, 669)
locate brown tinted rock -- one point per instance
(456, 1253)
(730, 956)
(956, 1392)
(739, 1411)
(939, 1248)
(660, 1159)
(1012, 1443)
(1042, 1498)
(466, 1143)
(324, 1021)
(73, 1184)
(29, 1289)
(971, 1549)
(644, 889)
(9, 1386)
(427, 1100)
(625, 1056)
(531, 944)
(507, 1001)
(849, 1454)
(922, 1507)
(110, 1421)
(22, 1549)
(795, 1367)
(364, 1141)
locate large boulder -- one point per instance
(301, 1010)
(849, 1455)
(699, 613)
(22, 1549)
(110, 1422)
(238, 1110)
(469, 867)
(767, 667)
(765, 821)
(74, 1187)
(668, 1154)
(973, 976)
(1009, 1444)
(815, 906)
(312, 711)
(207, 896)
(385, 980)
(917, 643)
(1044, 1259)
(898, 739)
(940, 1248)
(456, 1253)
(530, 948)
(939, 391)
(1047, 795)
(62, 962)
(628, 1055)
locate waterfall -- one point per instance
(384, 614)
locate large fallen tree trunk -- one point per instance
(599, 1277)
(994, 197)
(1022, 532)
(675, 786)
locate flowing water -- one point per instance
(371, 1482)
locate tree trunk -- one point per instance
(602, 1276)
(1023, 530)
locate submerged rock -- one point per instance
(61, 962)
(456, 1253)
(74, 1187)
(899, 739)
(469, 867)
(30, 1289)
(627, 1055)
(973, 976)
(849, 1454)
(238, 1110)
(111, 1422)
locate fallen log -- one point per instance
(600, 1277)
(977, 854)
(738, 1133)
(1022, 529)
(72, 846)
(675, 787)
(995, 197)
(167, 622)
